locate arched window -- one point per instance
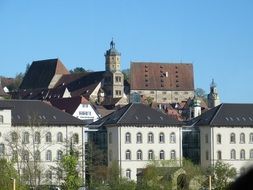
(110, 138)
(150, 155)
(139, 138)
(162, 155)
(150, 137)
(233, 154)
(242, 138)
(219, 155)
(59, 173)
(173, 155)
(161, 138)
(48, 137)
(1, 118)
(128, 137)
(37, 155)
(59, 137)
(2, 149)
(219, 139)
(128, 174)
(59, 155)
(207, 155)
(232, 138)
(75, 138)
(37, 138)
(139, 155)
(25, 155)
(128, 155)
(242, 154)
(251, 154)
(14, 137)
(251, 138)
(49, 175)
(110, 155)
(25, 137)
(172, 137)
(49, 155)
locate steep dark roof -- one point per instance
(69, 105)
(68, 78)
(226, 115)
(26, 112)
(161, 76)
(41, 73)
(136, 114)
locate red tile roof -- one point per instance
(162, 76)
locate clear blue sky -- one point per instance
(215, 35)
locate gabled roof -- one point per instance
(68, 78)
(86, 80)
(27, 112)
(68, 105)
(136, 114)
(161, 76)
(226, 115)
(41, 73)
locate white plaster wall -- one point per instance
(225, 147)
(43, 146)
(89, 112)
(133, 164)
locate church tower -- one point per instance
(114, 78)
(213, 97)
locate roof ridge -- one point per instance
(216, 113)
(125, 113)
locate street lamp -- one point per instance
(13, 184)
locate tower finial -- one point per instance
(112, 44)
(213, 83)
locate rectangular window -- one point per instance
(118, 92)
(1, 149)
(152, 92)
(207, 155)
(118, 79)
(206, 138)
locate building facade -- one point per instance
(137, 134)
(35, 136)
(226, 135)
(162, 82)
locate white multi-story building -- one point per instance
(137, 134)
(226, 135)
(36, 135)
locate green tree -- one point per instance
(222, 175)
(16, 83)
(199, 92)
(78, 70)
(69, 164)
(7, 174)
(126, 73)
